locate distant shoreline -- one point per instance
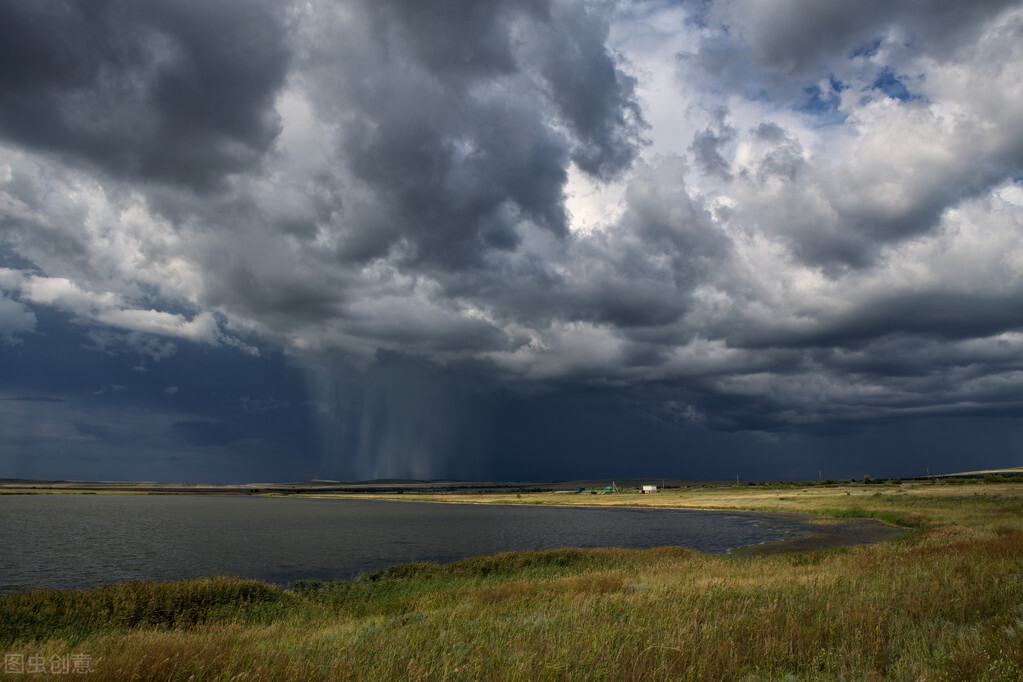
(401, 486)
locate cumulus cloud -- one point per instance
(800, 37)
(110, 310)
(180, 92)
(735, 217)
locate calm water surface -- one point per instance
(71, 541)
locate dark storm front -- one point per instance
(71, 541)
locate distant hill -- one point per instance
(982, 472)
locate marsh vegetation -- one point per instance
(945, 600)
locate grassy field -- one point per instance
(942, 601)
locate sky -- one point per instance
(257, 240)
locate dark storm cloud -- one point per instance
(234, 417)
(799, 36)
(104, 432)
(458, 39)
(452, 143)
(403, 416)
(449, 216)
(203, 433)
(946, 315)
(592, 94)
(452, 210)
(643, 273)
(166, 91)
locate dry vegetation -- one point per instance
(944, 601)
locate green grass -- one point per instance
(944, 601)
(75, 615)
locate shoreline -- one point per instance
(820, 530)
(940, 602)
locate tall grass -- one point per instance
(945, 601)
(74, 615)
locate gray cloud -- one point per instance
(444, 147)
(450, 218)
(707, 146)
(591, 92)
(165, 91)
(798, 37)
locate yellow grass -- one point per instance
(942, 602)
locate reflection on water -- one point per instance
(69, 541)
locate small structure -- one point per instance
(649, 489)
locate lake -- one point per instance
(74, 541)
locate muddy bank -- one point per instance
(824, 533)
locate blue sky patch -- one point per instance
(888, 83)
(821, 105)
(866, 49)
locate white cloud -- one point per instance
(787, 218)
(11, 280)
(110, 309)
